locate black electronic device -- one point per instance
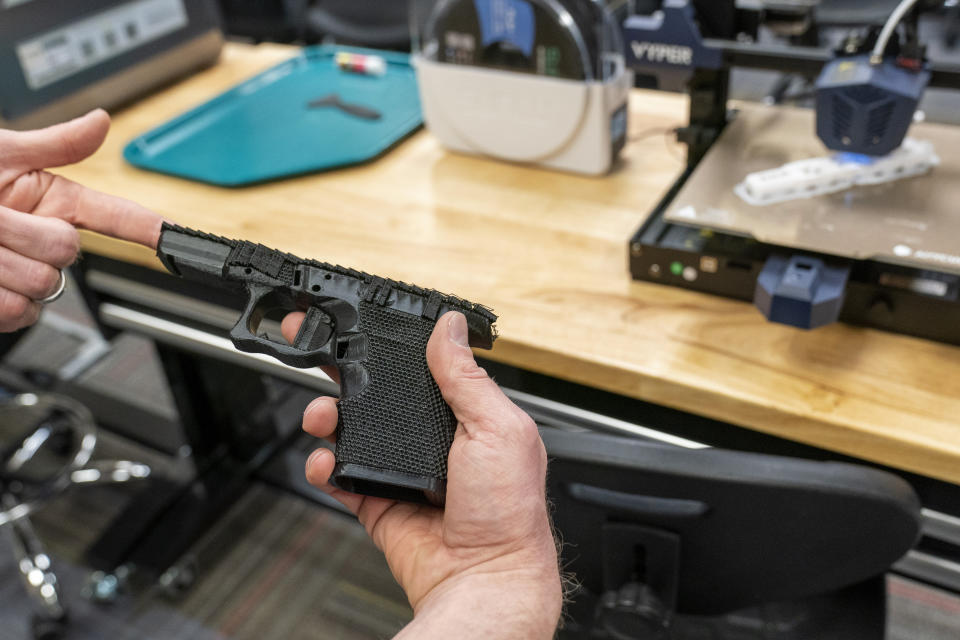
(659, 536)
(59, 59)
(881, 257)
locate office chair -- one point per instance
(683, 544)
(46, 445)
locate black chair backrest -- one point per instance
(752, 528)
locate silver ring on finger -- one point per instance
(59, 292)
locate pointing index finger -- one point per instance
(99, 212)
(118, 217)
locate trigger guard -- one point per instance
(245, 340)
(241, 330)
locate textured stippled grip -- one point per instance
(394, 435)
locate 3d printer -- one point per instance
(878, 253)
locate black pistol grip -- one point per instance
(394, 434)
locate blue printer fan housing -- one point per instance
(867, 108)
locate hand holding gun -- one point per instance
(394, 430)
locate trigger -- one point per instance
(314, 331)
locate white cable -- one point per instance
(876, 57)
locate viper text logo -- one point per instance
(662, 53)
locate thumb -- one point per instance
(475, 399)
(61, 144)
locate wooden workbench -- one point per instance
(548, 251)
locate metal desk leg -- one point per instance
(230, 429)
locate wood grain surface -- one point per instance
(548, 251)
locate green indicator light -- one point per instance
(676, 268)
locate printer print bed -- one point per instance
(912, 221)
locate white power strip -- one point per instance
(817, 176)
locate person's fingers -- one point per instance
(48, 240)
(320, 417)
(117, 217)
(100, 212)
(475, 399)
(318, 469)
(56, 146)
(31, 278)
(16, 311)
(368, 509)
(382, 529)
(29, 152)
(497, 463)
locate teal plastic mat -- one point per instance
(301, 116)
